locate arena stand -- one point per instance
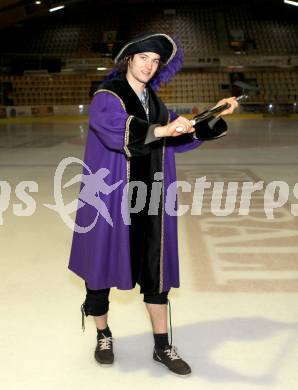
(205, 34)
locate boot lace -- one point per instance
(105, 342)
(172, 353)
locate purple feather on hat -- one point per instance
(166, 74)
(113, 73)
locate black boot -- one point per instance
(170, 358)
(167, 354)
(104, 349)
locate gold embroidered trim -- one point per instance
(162, 215)
(126, 135)
(112, 93)
(126, 140)
(162, 222)
(145, 39)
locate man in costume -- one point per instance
(135, 137)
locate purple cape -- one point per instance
(102, 256)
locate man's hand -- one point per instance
(169, 130)
(233, 103)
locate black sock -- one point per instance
(161, 340)
(106, 332)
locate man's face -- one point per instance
(143, 66)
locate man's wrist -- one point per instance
(151, 136)
(158, 131)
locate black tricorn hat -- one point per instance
(161, 44)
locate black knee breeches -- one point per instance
(161, 298)
(97, 301)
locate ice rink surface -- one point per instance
(235, 315)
